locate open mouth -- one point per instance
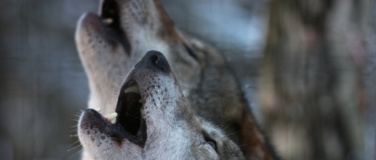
(129, 122)
(110, 15)
(130, 117)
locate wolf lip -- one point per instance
(93, 119)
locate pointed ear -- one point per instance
(253, 141)
(167, 26)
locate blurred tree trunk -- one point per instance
(310, 86)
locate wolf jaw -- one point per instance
(129, 128)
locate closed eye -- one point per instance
(210, 141)
(191, 52)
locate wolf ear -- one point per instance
(167, 29)
(254, 143)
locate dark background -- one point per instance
(43, 86)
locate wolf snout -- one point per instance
(154, 60)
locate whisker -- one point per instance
(80, 151)
(75, 142)
(74, 148)
(72, 136)
(232, 133)
(227, 126)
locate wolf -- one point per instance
(200, 114)
(153, 114)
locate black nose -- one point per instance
(154, 60)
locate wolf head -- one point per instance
(153, 122)
(111, 43)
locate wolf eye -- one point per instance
(190, 52)
(210, 141)
(213, 144)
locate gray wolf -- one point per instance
(203, 105)
(153, 122)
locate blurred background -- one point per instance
(43, 86)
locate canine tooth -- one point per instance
(108, 20)
(111, 116)
(133, 89)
